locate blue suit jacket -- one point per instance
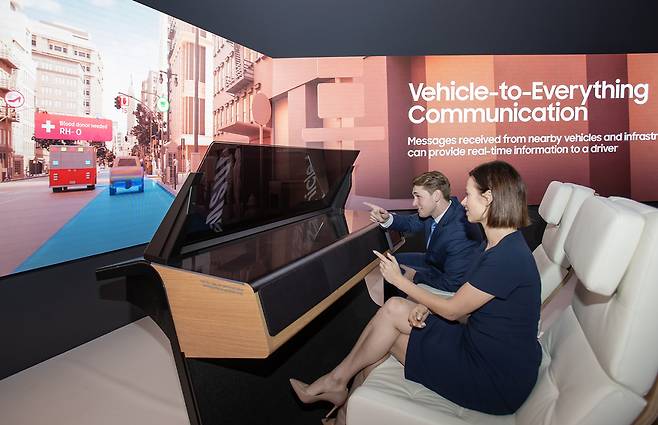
(450, 251)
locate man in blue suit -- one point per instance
(449, 238)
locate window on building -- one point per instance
(202, 116)
(202, 64)
(65, 50)
(188, 115)
(187, 62)
(34, 41)
(57, 48)
(245, 109)
(251, 105)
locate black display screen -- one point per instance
(245, 186)
(250, 258)
(253, 257)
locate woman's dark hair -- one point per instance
(509, 205)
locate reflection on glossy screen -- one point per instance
(243, 186)
(248, 259)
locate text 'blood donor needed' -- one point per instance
(68, 127)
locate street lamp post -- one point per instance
(151, 114)
(168, 74)
(153, 146)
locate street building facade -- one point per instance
(234, 88)
(17, 73)
(181, 39)
(69, 70)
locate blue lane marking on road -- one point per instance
(105, 224)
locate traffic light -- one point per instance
(117, 102)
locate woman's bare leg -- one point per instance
(387, 332)
(398, 351)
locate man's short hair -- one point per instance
(509, 206)
(434, 180)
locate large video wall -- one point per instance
(586, 119)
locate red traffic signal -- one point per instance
(120, 101)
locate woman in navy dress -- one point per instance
(490, 362)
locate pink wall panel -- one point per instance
(363, 103)
(290, 73)
(462, 70)
(539, 170)
(609, 116)
(398, 75)
(372, 171)
(418, 74)
(644, 119)
(336, 100)
(340, 67)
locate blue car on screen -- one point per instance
(126, 173)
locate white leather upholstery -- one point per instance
(623, 329)
(551, 273)
(386, 398)
(553, 240)
(554, 202)
(558, 208)
(599, 358)
(574, 389)
(614, 231)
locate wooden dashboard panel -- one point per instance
(219, 318)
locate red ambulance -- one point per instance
(72, 166)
